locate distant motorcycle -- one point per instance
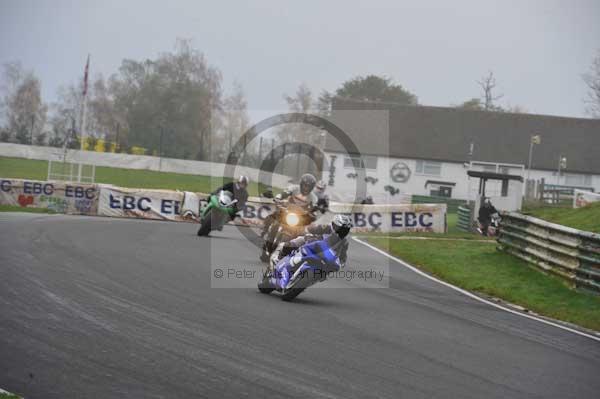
(303, 268)
(220, 209)
(291, 222)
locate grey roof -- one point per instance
(493, 176)
(445, 134)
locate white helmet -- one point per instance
(341, 225)
(243, 180)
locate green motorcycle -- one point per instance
(220, 210)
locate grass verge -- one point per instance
(12, 208)
(19, 168)
(586, 218)
(479, 267)
(7, 395)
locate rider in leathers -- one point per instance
(300, 195)
(313, 233)
(239, 189)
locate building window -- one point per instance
(430, 168)
(578, 180)
(441, 192)
(366, 162)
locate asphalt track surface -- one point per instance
(113, 308)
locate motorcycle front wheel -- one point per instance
(265, 286)
(267, 248)
(205, 225)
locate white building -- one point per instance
(427, 151)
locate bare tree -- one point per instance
(487, 101)
(234, 121)
(302, 102)
(324, 103)
(177, 93)
(592, 80)
(22, 106)
(65, 115)
(12, 75)
(487, 84)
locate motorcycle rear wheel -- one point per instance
(295, 289)
(291, 293)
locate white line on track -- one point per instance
(477, 298)
(429, 238)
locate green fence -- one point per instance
(464, 218)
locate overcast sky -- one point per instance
(537, 49)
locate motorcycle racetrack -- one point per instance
(109, 308)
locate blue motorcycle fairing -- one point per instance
(316, 257)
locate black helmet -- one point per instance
(307, 183)
(341, 225)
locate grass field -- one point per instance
(20, 168)
(586, 218)
(479, 267)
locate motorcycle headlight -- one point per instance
(292, 219)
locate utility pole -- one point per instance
(32, 122)
(243, 157)
(298, 155)
(162, 131)
(534, 140)
(562, 164)
(83, 116)
(272, 154)
(537, 139)
(117, 145)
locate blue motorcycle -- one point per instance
(308, 265)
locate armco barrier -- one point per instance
(107, 200)
(569, 253)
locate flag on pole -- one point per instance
(85, 76)
(536, 139)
